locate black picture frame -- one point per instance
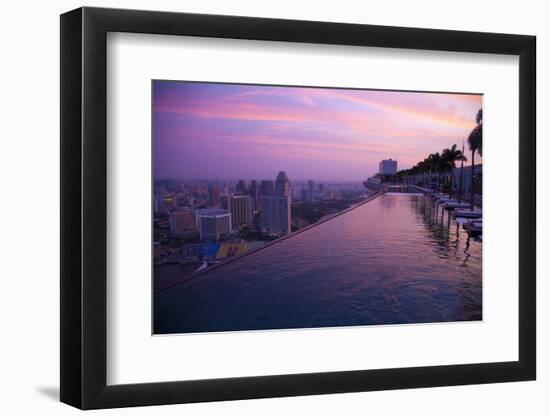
(84, 207)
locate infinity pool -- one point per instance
(396, 259)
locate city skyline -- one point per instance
(216, 180)
(249, 131)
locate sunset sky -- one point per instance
(203, 130)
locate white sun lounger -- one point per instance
(470, 214)
(457, 205)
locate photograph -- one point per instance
(298, 207)
(272, 205)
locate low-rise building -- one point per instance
(213, 223)
(182, 223)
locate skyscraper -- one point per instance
(387, 167)
(241, 187)
(282, 185)
(241, 210)
(276, 209)
(255, 194)
(267, 188)
(310, 190)
(215, 195)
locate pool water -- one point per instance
(396, 259)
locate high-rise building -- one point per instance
(282, 185)
(275, 215)
(310, 190)
(182, 223)
(296, 191)
(387, 167)
(241, 187)
(255, 194)
(215, 195)
(276, 209)
(213, 223)
(242, 212)
(267, 188)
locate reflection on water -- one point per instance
(396, 259)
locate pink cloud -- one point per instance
(330, 125)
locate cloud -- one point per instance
(320, 125)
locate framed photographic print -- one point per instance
(258, 207)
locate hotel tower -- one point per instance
(275, 218)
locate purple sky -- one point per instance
(204, 130)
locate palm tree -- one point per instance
(443, 167)
(422, 169)
(450, 156)
(402, 175)
(414, 171)
(434, 162)
(461, 176)
(475, 141)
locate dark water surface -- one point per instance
(392, 260)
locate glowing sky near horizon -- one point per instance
(215, 131)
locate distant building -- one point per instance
(169, 201)
(276, 209)
(310, 190)
(241, 187)
(275, 215)
(255, 194)
(267, 188)
(282, 185)
(184, 199)
(225, 203)
(374, 184)
(158, 203)
(242, 212)
(182, 223)
(160, 189)
(164, 202)
(296, 192)
(213, 223)
(215, 195)
(387, 167)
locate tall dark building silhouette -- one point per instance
(255, 194)
(276, 208)
(310, 190)
(241, 187)
(282, 185)
(215, 195)
(267, 188)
